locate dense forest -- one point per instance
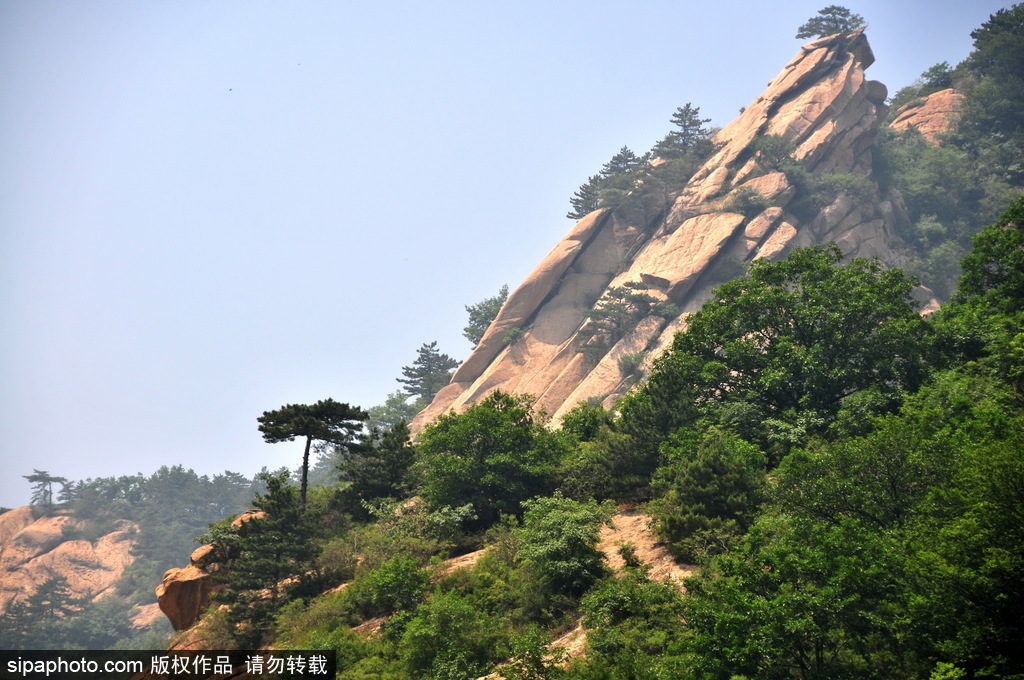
(845, 476)
(165, 511)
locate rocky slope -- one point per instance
(825, 106)
(931, 115)
(33, 550)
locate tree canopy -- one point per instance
(326, 421)
(428, 374)
(830, 20)
(482, 314)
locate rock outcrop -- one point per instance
(932, 115)
(542, 341)
(184, 594)
(33, 550)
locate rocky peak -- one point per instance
(542, 341)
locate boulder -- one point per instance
(932, 115)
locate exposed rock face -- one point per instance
(823, 104)
(184, 594)
(931, 115)
(34, 550)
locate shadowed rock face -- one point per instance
(823, 104)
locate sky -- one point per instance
(211, 208)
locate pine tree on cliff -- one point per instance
(325, 421)
(42, 492)
(275, 549)
(482, 314)
(689, 137)
(830, 20)
(429, 373)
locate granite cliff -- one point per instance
(682, 244)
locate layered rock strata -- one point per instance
(542, 341)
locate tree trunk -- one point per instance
(305, 471)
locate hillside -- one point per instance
(776, 454)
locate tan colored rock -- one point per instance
(36, 550)
(774, 187)
(183, 595)
(932, 115)
(822, 103)
(673, 263)
(525, 300)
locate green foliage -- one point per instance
(532, 659)
(513, 335)
(774, 152)
(482, 314)
(711, 491)
(560, 536)
(747, 201)
(617, 313)
(629, 363)
(633, 622)
(830, 20)
(398, 584)
(784, 346)
(379, 467)
(395, 409)
(584, 421)
(689, 138)
(272, 549)
(450, 638)
(42, 492)
(494, 456)
(993, 272)
(428, 374)
(324, 421)
(638, 190)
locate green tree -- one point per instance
(42, 492)
(494, 455)
(774, 354)
(560, 536)
(690, 136)
(428, 374)
(830, 20)
(586, 199)
(326, 421)
(378, 467)
(482, 314)
(993, 272)
(712, 490)
(395, 409)
(269, 551)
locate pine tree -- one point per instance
(830, 20)
(482, 314)
(272, 549)
(586, 199)
(42, 493)
(325, 421)
(690, 137)
(429, 373)
(622, 163)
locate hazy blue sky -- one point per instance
(212, 208)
